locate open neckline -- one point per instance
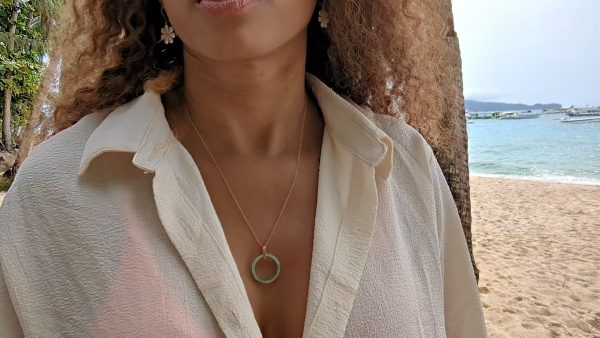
(219, 232)
(343, 227)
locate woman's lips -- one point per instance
(224, 7)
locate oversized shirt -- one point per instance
(108, 230)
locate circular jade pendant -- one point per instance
(259, 278)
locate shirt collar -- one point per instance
(141, 127)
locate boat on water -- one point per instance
(583, 112)
(581, 119)
(556, 111)
(517, 115)
(478, 116)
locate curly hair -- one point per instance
(369, 53)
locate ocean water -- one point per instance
(536, 149)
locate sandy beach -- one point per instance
(537, 246)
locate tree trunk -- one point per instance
(34, 119)
(445, 128)
(7, 128)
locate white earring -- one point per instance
(323, 18)
(167, 33)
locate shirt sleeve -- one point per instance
(462, 304)
(10, 210)
(9, 323)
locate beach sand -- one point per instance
(537, 246)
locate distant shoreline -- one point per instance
(481, 106)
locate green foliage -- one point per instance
(22, 53)
(5, 183)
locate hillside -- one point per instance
(473, 105)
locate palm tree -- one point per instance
(445, 127)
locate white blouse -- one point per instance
(108, 231)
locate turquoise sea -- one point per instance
(537, 149)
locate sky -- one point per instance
(530, 51)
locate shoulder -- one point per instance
(411, 149)
(51, 165)
(58, 156)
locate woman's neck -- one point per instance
(249, 107)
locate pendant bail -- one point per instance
(264, 250)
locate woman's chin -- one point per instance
(230, 53)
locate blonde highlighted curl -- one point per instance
(369, 52)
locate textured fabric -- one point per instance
(108, 231)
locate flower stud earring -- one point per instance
(323, 18)
(167, 33)
(167, 51)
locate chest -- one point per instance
(260, 189)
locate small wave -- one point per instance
(502, 168)
(545, 178)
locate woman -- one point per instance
(235, 168)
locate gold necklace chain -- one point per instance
(262, 246)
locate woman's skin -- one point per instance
(244, 83)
